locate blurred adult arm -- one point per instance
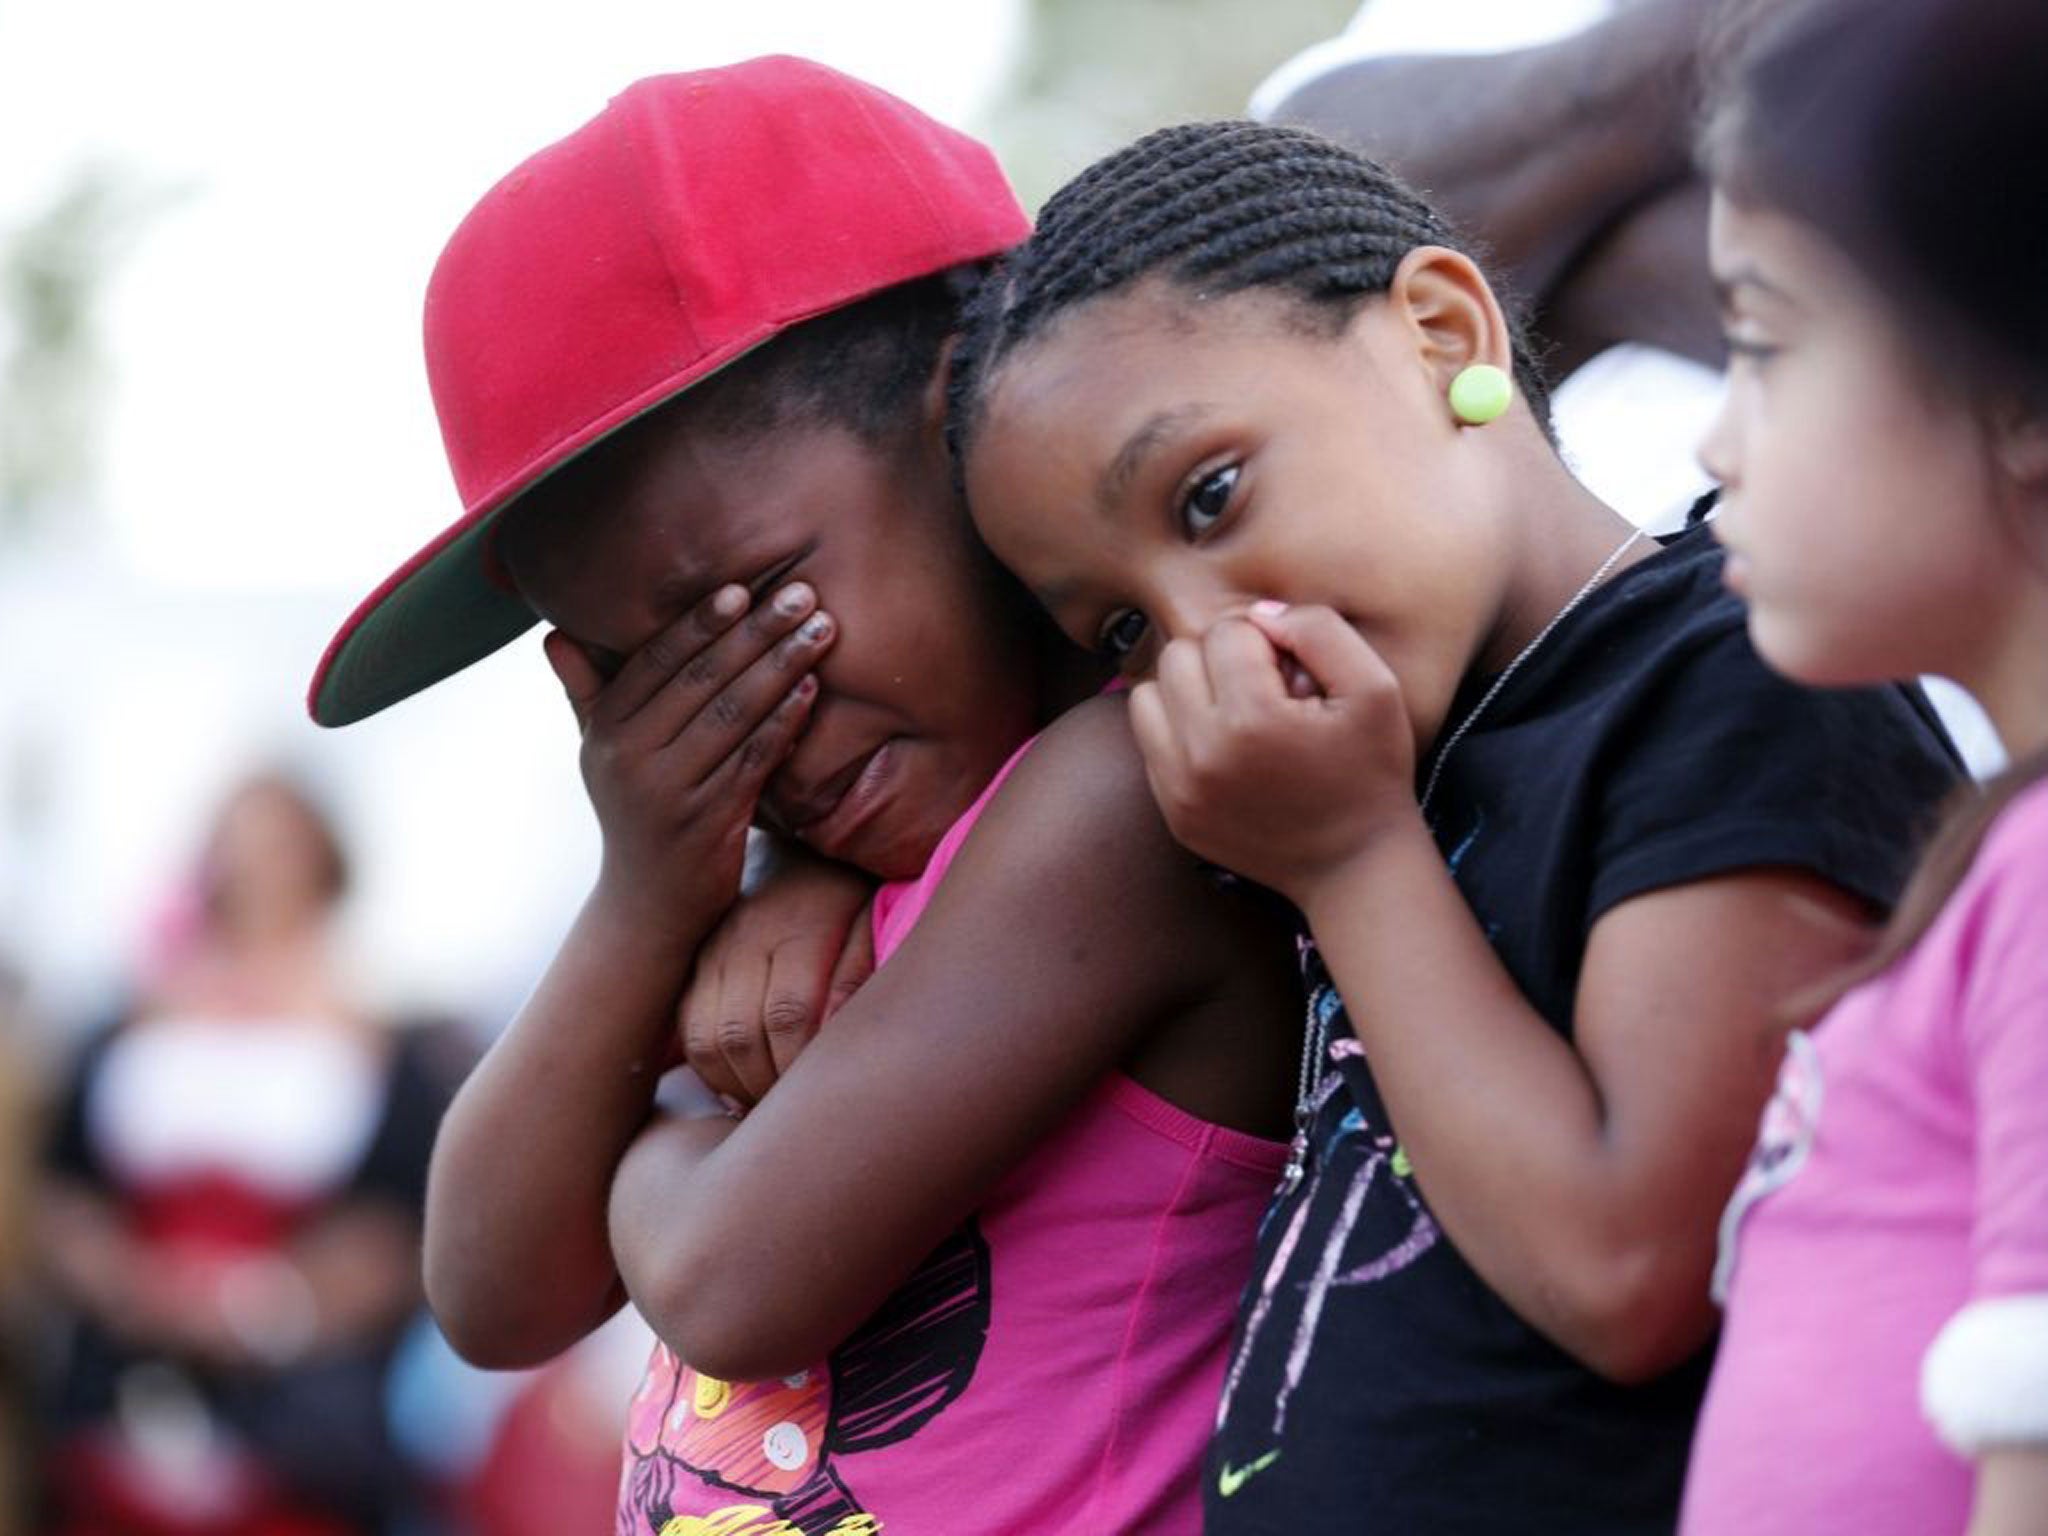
(1544, 153)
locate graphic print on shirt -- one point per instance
(1301, 1277)
(771, 1442)
(1790, 1121)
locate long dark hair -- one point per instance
(1906, 133)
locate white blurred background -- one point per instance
(256, 194)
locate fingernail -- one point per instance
(792, 598)
(815, 628)
(730, 602)
(1269, 608)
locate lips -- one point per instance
(798, 811)
(833, 831)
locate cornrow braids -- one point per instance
(1215, 207)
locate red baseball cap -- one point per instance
(694, 218)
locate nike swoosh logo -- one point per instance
(1230, 1479)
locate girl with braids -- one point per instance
(1240, 414)
(1881, 248)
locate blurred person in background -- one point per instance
(16, 1174)
(230, 1213)
(1558, 133)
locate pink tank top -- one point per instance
(1052, 1367)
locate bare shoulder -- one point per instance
(1090, 747)
(1074, 857)
(1082, 788)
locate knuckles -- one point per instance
(734, 1038)
(700, 671)
(785, 1016)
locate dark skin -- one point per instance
(1582, 1178)
(1072, 937)
(1572, 161)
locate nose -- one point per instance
(1186, 602)
(1716, 451)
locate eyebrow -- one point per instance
(1156, 429)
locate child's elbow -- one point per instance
(726, 1326)
(482, 1345)
(1644, 1313)
(487, 1327)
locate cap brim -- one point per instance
(438, 614)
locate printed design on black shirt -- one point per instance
(773, 1441)
(1790, 1121)
(1344, 1147)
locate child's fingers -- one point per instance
(721, 1036)
(793, 1005)
(855, 965)
(1243, 669)
(680, 647)
(576, 672)
(1183, 679)
(744, 770)
(715, 702)
(1158, 743)
(739, 1030)
(728, 722)
(697, 1027)
(1336, 657)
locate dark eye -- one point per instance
(763, 587)
(1753, 353)
(1122, 633)
(1207, 500)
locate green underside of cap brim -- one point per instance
(449, 614)
(445, 616)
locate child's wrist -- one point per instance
(1332, 886)
(657, 917)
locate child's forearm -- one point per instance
(2012, 1492)
(1495, 1112)
(518, 1262)
(1583, 1178)
(649, 1196)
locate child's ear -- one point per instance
(2020, 441)
(933, 404)
(1451, 312)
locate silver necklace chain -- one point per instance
(1436, 768)
(1315, 1027)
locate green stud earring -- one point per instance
(1480, 394)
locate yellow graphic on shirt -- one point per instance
(753, 1520)
(695, 1443)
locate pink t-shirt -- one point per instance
(1901, 1179)
(1053, 1367)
